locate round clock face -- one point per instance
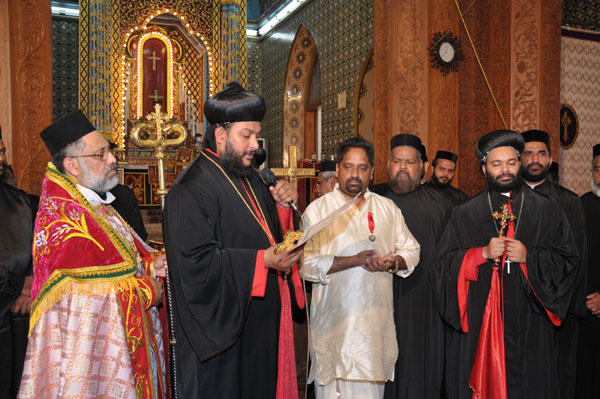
(446, 52)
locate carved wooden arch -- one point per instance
(296, 90)
(359, 95)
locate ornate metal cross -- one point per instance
(158, 139)
(505, 216)
(293, 171)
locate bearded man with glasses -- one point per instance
(94, 329)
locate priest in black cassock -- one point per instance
(535, 169)
(419, 327)
(16, 232)
(588, 364)
(504, 296)
(444, 166)
(231, 293)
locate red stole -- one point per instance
(287, 384)
(488, 375)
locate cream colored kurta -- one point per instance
(352, 322)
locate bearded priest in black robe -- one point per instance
(232, 293)
(588, 362)
(504, 296)
(535, 169)
(444, 166)
(419, 327)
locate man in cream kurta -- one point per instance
(353, 340)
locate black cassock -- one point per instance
(227, 341)
(568, 332)
(452, 194)
(551, 266)
(16, 232)
(419, 327)
(127, 205)
(588, 366)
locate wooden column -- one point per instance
(29, 50)
(518, 42)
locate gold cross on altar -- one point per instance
(154, 58)
(293, 171)
(155, 96)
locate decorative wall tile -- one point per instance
(65, 66)
(343, 33)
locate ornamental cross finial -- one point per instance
(505, 216)
(159, 135)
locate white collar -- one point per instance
(93, 197)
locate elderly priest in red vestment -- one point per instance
(94, 329)
(504, 296)
(232, 293)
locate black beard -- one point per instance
(434, 180)
(403, 186)
(233, 164)
(535, 178)
(503, 188)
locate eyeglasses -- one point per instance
(101, 156)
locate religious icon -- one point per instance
(569, 126)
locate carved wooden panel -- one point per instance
(400, 74)
(475, 104)
(31, 80)
(518, 43)
(443, 90)
(525, 61)
(382, 24)
(5, 78)
(550, 49)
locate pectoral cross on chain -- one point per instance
(505, 216)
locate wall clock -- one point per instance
(446, 52)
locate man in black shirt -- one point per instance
(535, 166)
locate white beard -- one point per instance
(595, 189)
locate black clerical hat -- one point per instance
(498, 138)
(327, 166)
(596, 150)
(536, 135)
(450, 156)
(423, 153)
(66, 131)
(232, 104)
(403, 139)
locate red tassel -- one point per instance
(488, 376)
(287, 384)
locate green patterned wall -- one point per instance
(65, 66)
(343, 33)
(254, 66)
